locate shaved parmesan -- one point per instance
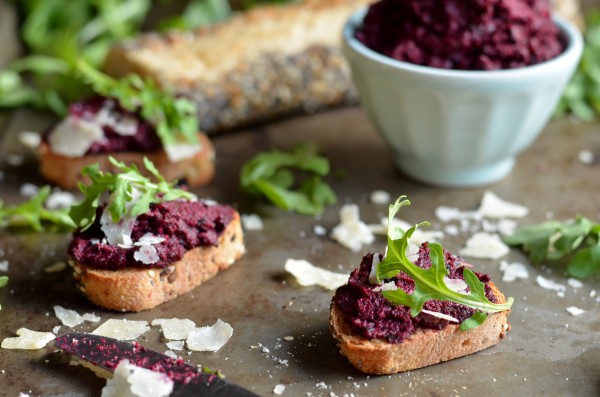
(59, 199)
(252, 222)
(4, 265)
(574, 311)
(28, 190)
(117, 233)
(485, 245)
(373, 272)
(149, 239)
(549, 284)
(574, 283)
(210, 338)
(175, 328)
(513, 271)
(30, 139)
(73, 136)
(28, 340)
(176, 344)
(181, 151)
(456, 284)
(398, 227)
(447, 214)
(146, 254)
(91, 317)
(380, 197)
(389, 286)
(279, 389)
(494, 207)
(308, 275)
(352, 232)
(122, 329)
(132, 381)
(68, 317)
(440, 315)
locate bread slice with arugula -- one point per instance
(141, 242)
(414, 307)
(128, 119)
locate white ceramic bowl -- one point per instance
(458, 128)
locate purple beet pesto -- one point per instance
(183, 224)
(463, 34)
(372, 316)
(145, 138)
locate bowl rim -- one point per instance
(573, 50)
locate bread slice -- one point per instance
(66, 171)
(134, 289)
(258, 65)
(425, 347)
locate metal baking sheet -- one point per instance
(548, 352)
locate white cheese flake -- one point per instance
(59, 199)
(550, 284)
(175, 328)
(68, 317)
(28, 190)
(485, 245)
(28, 340)
(351, 232)
(447, 214)
(307, 274)
(513, 271)
(181, 151)
(586, 157)
(319, 230)
(574, 283)
(440, 315)
(73, 136)
(122, 329)
(456, 284)
(279, 389)
(493, 206)
(252, 222)
(55, 268)
(373, 272)
(30, 139)
(132, 381)
(210, 338)
(91, 317)
(574, 311)
(146, 254)
(176, 345)
(389, 286)
(4, 265)
(380, 197)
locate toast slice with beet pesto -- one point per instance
(140, 242)
(414, 307)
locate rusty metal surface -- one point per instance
(548, 352)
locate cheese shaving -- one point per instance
(485, 245)
(513, 271)
(574, 311)
(181, 151)
(252, 222)
(494, 207)
(28, 340)
(549, 284)
(210, 338)
(132, 381)
(146, 254)
(73, 136)
(440, 315)
(122, 329)
(68, 317)
(308, 275)
(175, 328)
(351, 232)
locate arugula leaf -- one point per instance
(577, 239)
(270, 175)
(3, 281)
(198, 13)
(174, 117)
(32, 214)
(429, 283)
(131, 193)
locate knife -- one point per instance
(188, 379)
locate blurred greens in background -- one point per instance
(56, 33)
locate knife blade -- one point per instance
(188, 379)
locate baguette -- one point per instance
(134, 289)
(423, 348)
(259, 65)
(66, 171)
(266, 63)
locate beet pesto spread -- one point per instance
(370, 315)
(159, 237)
(463, 34)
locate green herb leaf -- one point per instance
(175, 119)
(474, 321)
(271, 175)
(3, 281)
(429, 283)
(577, 241)
(199, 13)
(131, 193)
(33, 215)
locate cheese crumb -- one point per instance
(176, 345)
(132, 381)
(28, 340)
(308, 275)
(494, 207)
(351, 232)
(586, 157)
(55, 268)
(279, 389)
(252, 222)
(68, 317)
(59, 199)
(210, 338)
(550, 284)
(574, 311)
(380, 197)
(485, 245)
(122, 329)
(175, 328)
(4, 265)
(574, 283)
(513, 271)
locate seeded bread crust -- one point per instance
(425, 347)
(258, 65)
(66, 171)
(134, 290)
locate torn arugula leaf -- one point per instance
(270, 175)
(429, 283)
(32, 214)
(577, 239)
(175, 118)
(131, 193)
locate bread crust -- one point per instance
(66, 171)
(425, 347)
(135, 289)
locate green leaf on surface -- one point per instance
(429, 283)
(274, 176)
